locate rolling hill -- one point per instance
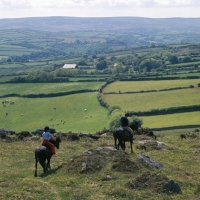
(56, 24)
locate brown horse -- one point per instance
(43, 154)
(123, 136)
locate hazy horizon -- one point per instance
(100, 8)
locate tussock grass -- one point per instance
(178, 157)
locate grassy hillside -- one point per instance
(109, 175)
(69, 109)
(54, 24)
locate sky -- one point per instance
(100, 8)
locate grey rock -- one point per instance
(149, 161)
(171, 187)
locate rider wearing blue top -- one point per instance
(46, 135)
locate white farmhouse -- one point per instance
(70, 66)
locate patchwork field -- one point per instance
(37, 112)
(68, 113)
(146, 101)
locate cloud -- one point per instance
(99, 8)
(95, 3)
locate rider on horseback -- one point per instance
(46, 137)
(125, 123)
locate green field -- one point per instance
(37, 112)
(179, 119)
(11, 65)
(147, 101)
(10, 50)
(184, 64)
(71, 109)
(134, 86)
(46, 88)
(6, 78)
(153, 100)
(182, 75)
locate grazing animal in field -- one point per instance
(182, 136)
(43, 154)
(123, 136)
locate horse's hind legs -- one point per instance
(116, 146)
(36, 168)
(45, 168)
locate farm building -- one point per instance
(70, 66)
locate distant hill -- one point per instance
(55, 24)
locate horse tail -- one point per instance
(122, 144)
(122, 140)
(36, 161)
(41, 157)
(119, 135)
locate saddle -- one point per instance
(125, 130)
(48, 147)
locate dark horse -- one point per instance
(123, 136)
(43, 153)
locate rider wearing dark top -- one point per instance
(124, 122)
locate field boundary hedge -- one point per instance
(158, 78)
(164, 111)
(47, 95)
(146, 91)
(176, 127)
(102, 103)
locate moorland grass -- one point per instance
(179, 158)
(37, 113)
(46, 88)
(134, 86)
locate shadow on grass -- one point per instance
(50, 172)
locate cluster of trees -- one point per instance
(135, 62)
